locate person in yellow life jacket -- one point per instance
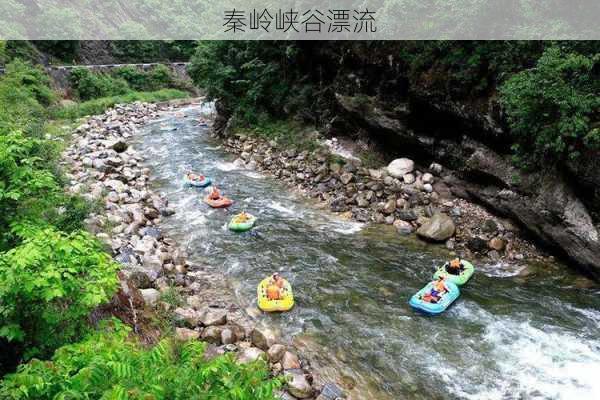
(274, 287)
(455, 267)
(214, 194)
(242, 217)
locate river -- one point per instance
(506, 337)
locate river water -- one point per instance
(506, 337)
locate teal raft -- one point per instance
(237, 225)
(460, 279)
(434, 308)
(197, 183)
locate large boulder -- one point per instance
(250, 354)
(298, 385)
(400, 167)
(438, 228)
(263, 338)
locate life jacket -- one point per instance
(273, 292)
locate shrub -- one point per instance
(23, 95)
(109, 366)
(159, 77)
(48, 286)
(88, 85)
(553, 109)
(26, 189)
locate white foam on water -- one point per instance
(588, 313)
(553, 363)
(226, 166)
(501, 269)
(348, 228)
(253, 175)
(277, 206)
(212, 147)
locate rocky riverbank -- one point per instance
(414, 199)
(103, 167)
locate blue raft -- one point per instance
(203, 183)
(434, 308)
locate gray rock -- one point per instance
(439, 228)
(290, 361)
(435, 168)
(408, 179)
(389, 206)
(185, 334)
(298, 385)
(276, 352)
(407, 215)
(212, 334)
(403, 227)
(263, 338)
(400, 167)
(227, 336)
(250, 354)
(150, 296)
(477, 244)
(427, 178)
(187, 316)
(210, 317)
(346, 178)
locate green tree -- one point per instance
(554, 109)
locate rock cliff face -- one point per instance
(554, 205)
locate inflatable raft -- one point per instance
(237, 225)
(434, 308)
(459, 280)
(219, 203)
(285, 304)
(197, 183)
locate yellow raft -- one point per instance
(285, 304)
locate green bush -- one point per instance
(48, 286)
(88, 85)
(159, 77)
(24, 92)
(553, 109)
(26, 188)
(109, 366)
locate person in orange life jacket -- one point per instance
(455, 267)
(439, 288)
(274, 289)
(214, 194)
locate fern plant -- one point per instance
(109, 366)
(48, 286)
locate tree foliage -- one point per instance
(554, 108)
(109, 366)
(249, 77)
(48, 286)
